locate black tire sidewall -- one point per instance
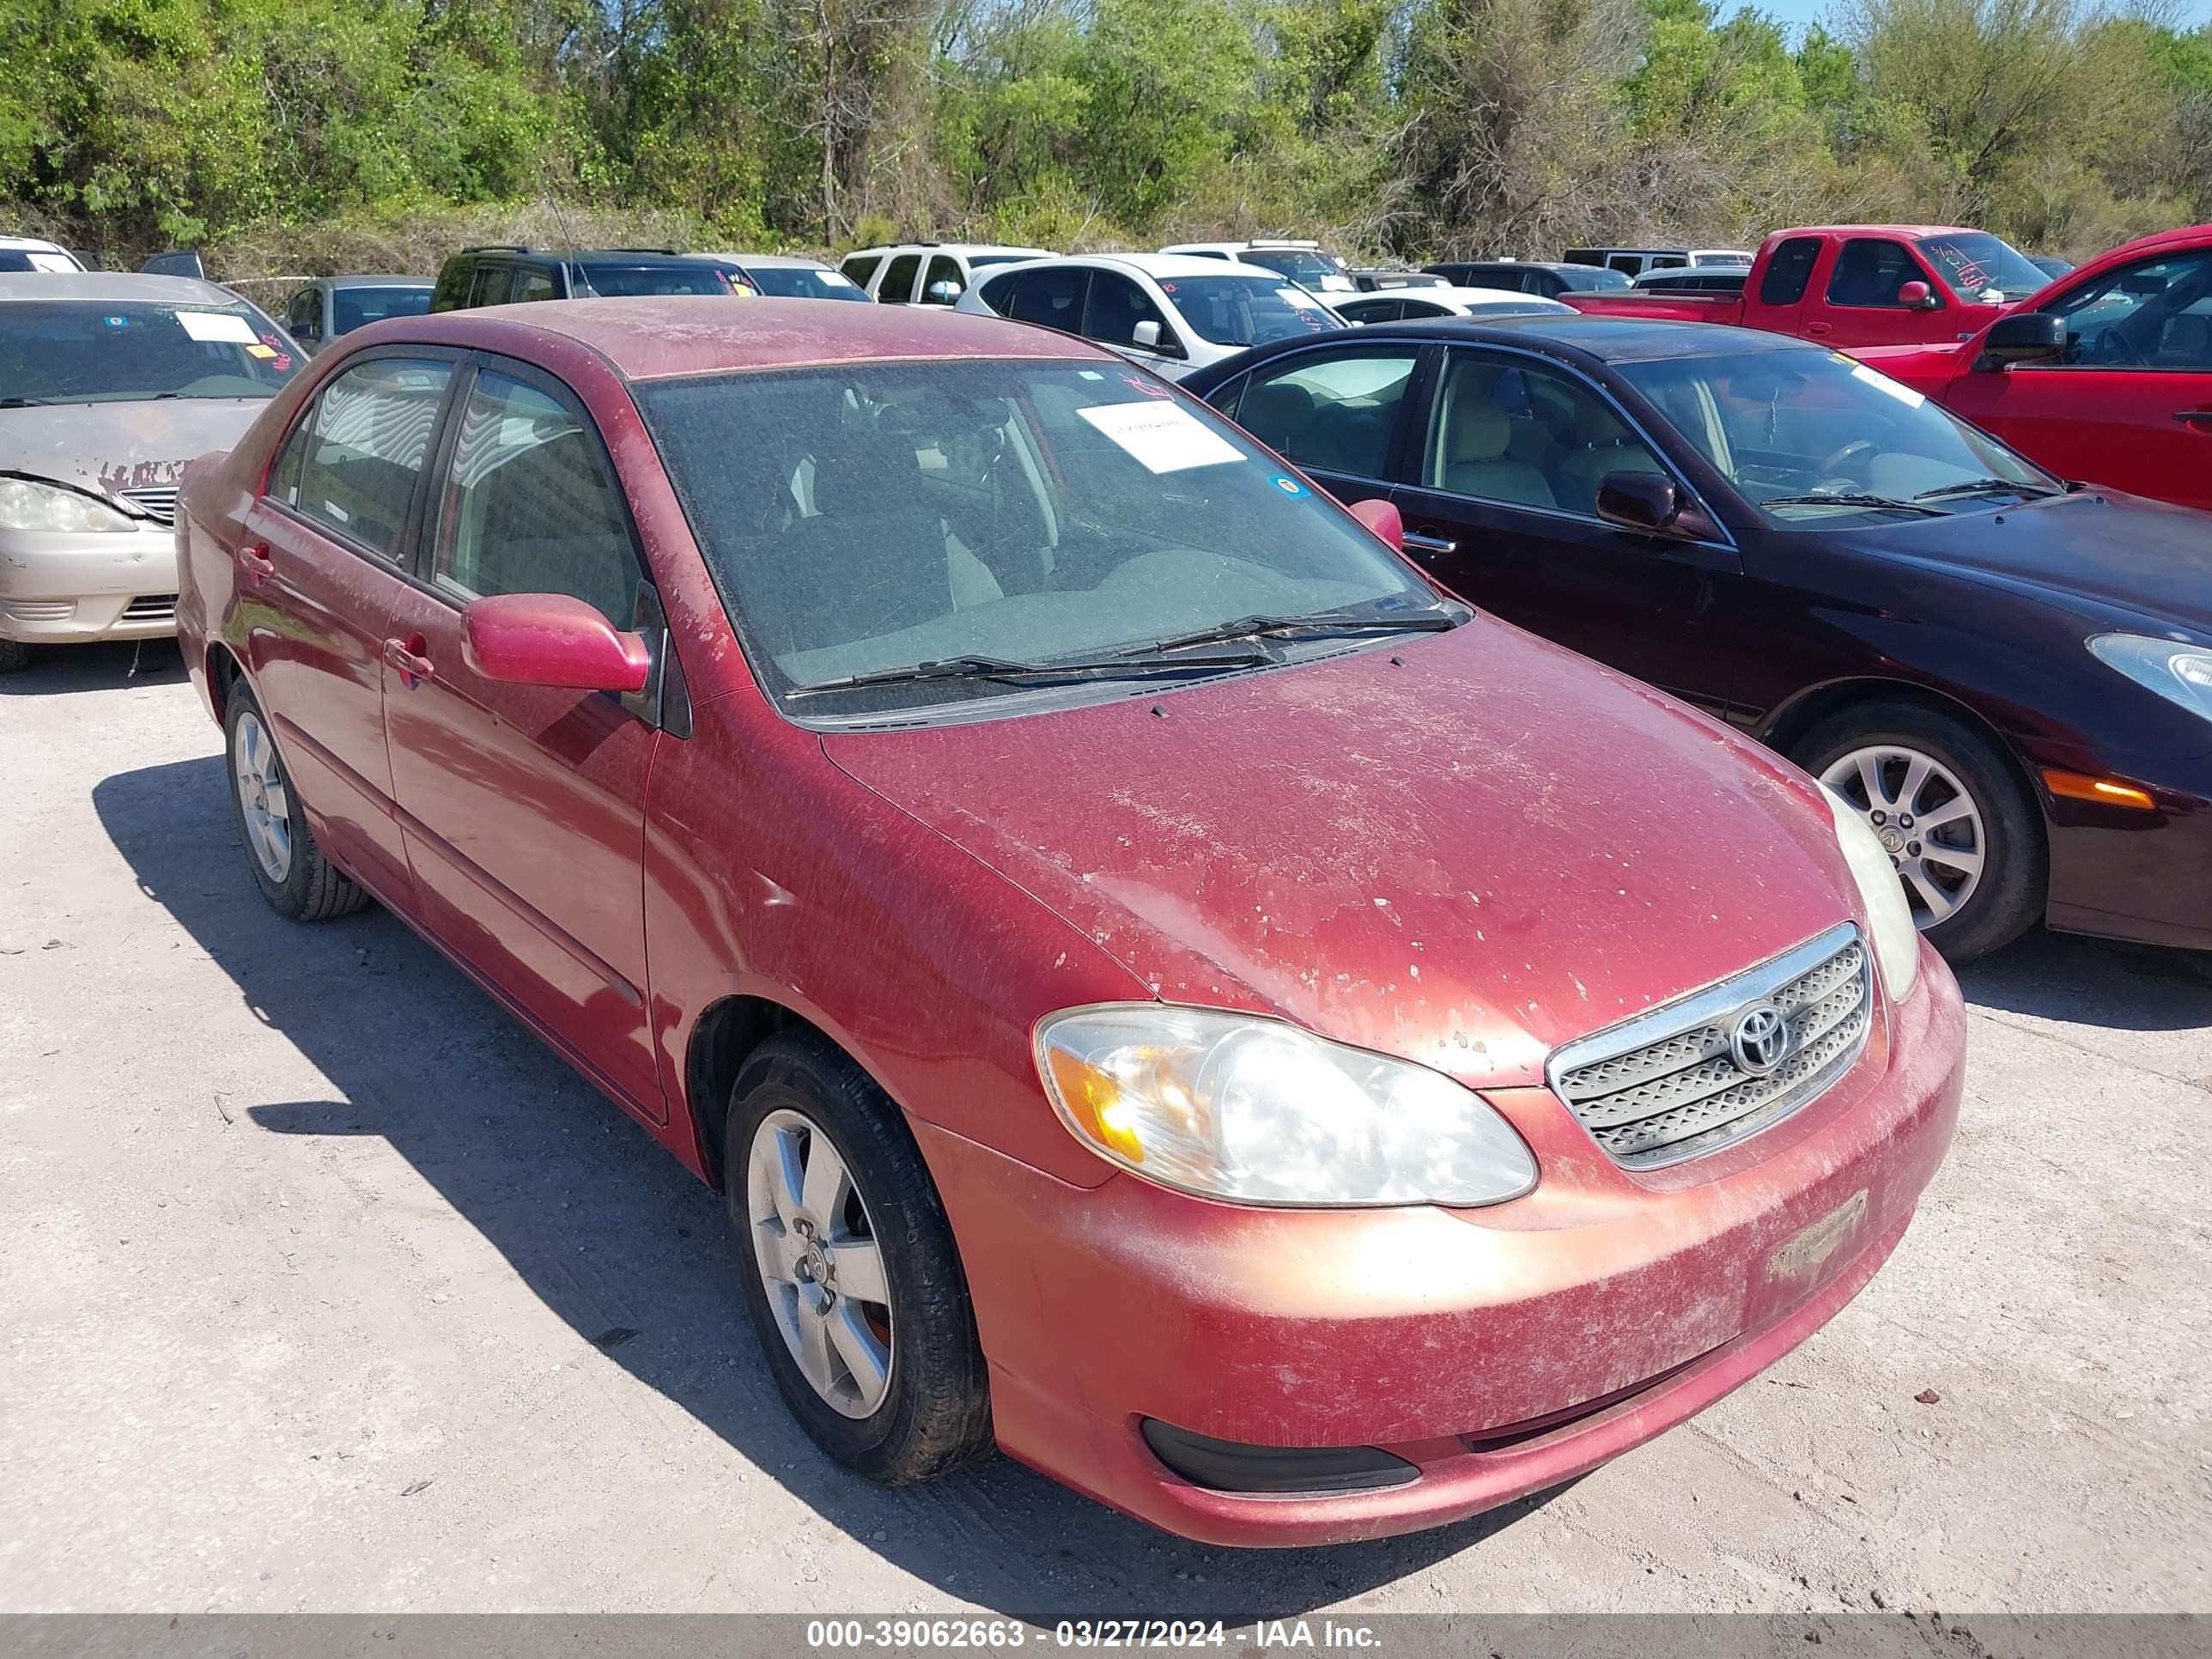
(936, 1414)
(289, 896)
(2016, 870)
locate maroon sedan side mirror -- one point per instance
(1384, 520)
(1918, 296)
(551, 638)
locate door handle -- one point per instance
(253, 559)
(406, 656)
(1428, 543)
(2197, 418)
(1819, 328)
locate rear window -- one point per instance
(358, 307)
(617, 281)
(1242, 311)
(78, 351)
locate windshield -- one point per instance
(1301, 265)
(1242, 311)
(803, 283)
(893, 515)
(1785, 425)
(627, 282)
(358, 307)
(1981, 268)
(80, 351)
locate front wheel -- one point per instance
(848, 1268)
(1960, 828)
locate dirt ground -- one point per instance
(323, 1287)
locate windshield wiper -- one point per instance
(1983, 486)
(1001, 668)
(1851, 499)
(1319, 624)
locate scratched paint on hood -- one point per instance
(1466, 859)
(115, 446)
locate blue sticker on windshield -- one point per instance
(1289, 485)
(118, 322)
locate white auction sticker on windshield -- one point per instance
(1881, 382)
(1161, 436)
(226, 326)
(836, 278)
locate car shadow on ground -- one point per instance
(56, 671)
(2093, 982)
(612, 1235)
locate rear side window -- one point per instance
(491, 285)
(1788, 271)
(1053, 297)
(531, 283)
(1334, 411)
(351, 463)
(998, 293)
(529, 508)
(860, 267)
(899, 282)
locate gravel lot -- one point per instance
(323, 1287)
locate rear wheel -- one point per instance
(848, 1268)
(287, 866)
(14, 654)
(1960, 827)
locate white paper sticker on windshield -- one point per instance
(836, 278)
(1881, 382)
(218, 325)
(1159, 435)
(1299, 298)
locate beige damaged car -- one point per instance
(108, 385)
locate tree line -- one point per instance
(289, 135)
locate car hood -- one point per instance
(1464, 849)
(2100, 550)
(118, 446)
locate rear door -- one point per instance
(524, 806)
(2129, 404)
(896, 287)
(326, 565)
(1503, 510)
(1775, 302)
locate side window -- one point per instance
(491, 285)
(898, 281)
(1053, 297)
(531, 283)
(305, 319)
(1000, 292)
(1788, 271)
(943, 268)
(859, 267)
(351, 463)
(1375, 311)
(1869, 271)
(1413, 310)
(1227, 396)
(1511, 430)
(2156, 314)
(453, 290)
(1336, 411)
(529, 508)
(1115, 308)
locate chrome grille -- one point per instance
(1667, 1086)
(160, 502)
(151, 607)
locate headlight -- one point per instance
(1259, 1111)
(1896, 941)
(26, 505)
(2180, 673)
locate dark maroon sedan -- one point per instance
(2009, 674)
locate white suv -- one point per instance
(1303, 263)
(927, 273)
(35, 253)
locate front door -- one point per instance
(524, 806)
(1504, 513)
(2129, 403)
(323, 566)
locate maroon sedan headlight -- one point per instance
(1262, 1112)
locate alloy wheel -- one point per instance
(1924, 817)
(263, 801)
(820, 1263)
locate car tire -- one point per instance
(299, 882)
(2001, 830)
(917, 1403)
(14, 654)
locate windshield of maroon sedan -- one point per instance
(870, 520)
(87, 351)
(1808, 437)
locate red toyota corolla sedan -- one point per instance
(1164, 989)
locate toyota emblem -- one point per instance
(1759, 1039)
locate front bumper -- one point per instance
(58, 587)
(2122, 872)
(1499, 1351)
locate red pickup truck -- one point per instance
(1856, 285)
(2104, 377)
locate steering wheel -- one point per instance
(2111, 346)
(1834, 464)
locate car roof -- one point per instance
(116, 287)
(657, 338)
(1527, 265)
(1883, 230)
(1602, 339)
(953, 247)
(2181, 236)
(1172, 265)
(32, 245)
(1472, 297)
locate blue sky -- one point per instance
(1798, 12)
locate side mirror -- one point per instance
(1146, 335)
(1638, 500)
(1384, 520)
(1918, 296)
(2025, 337)
(941, 293)
(551, 638)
